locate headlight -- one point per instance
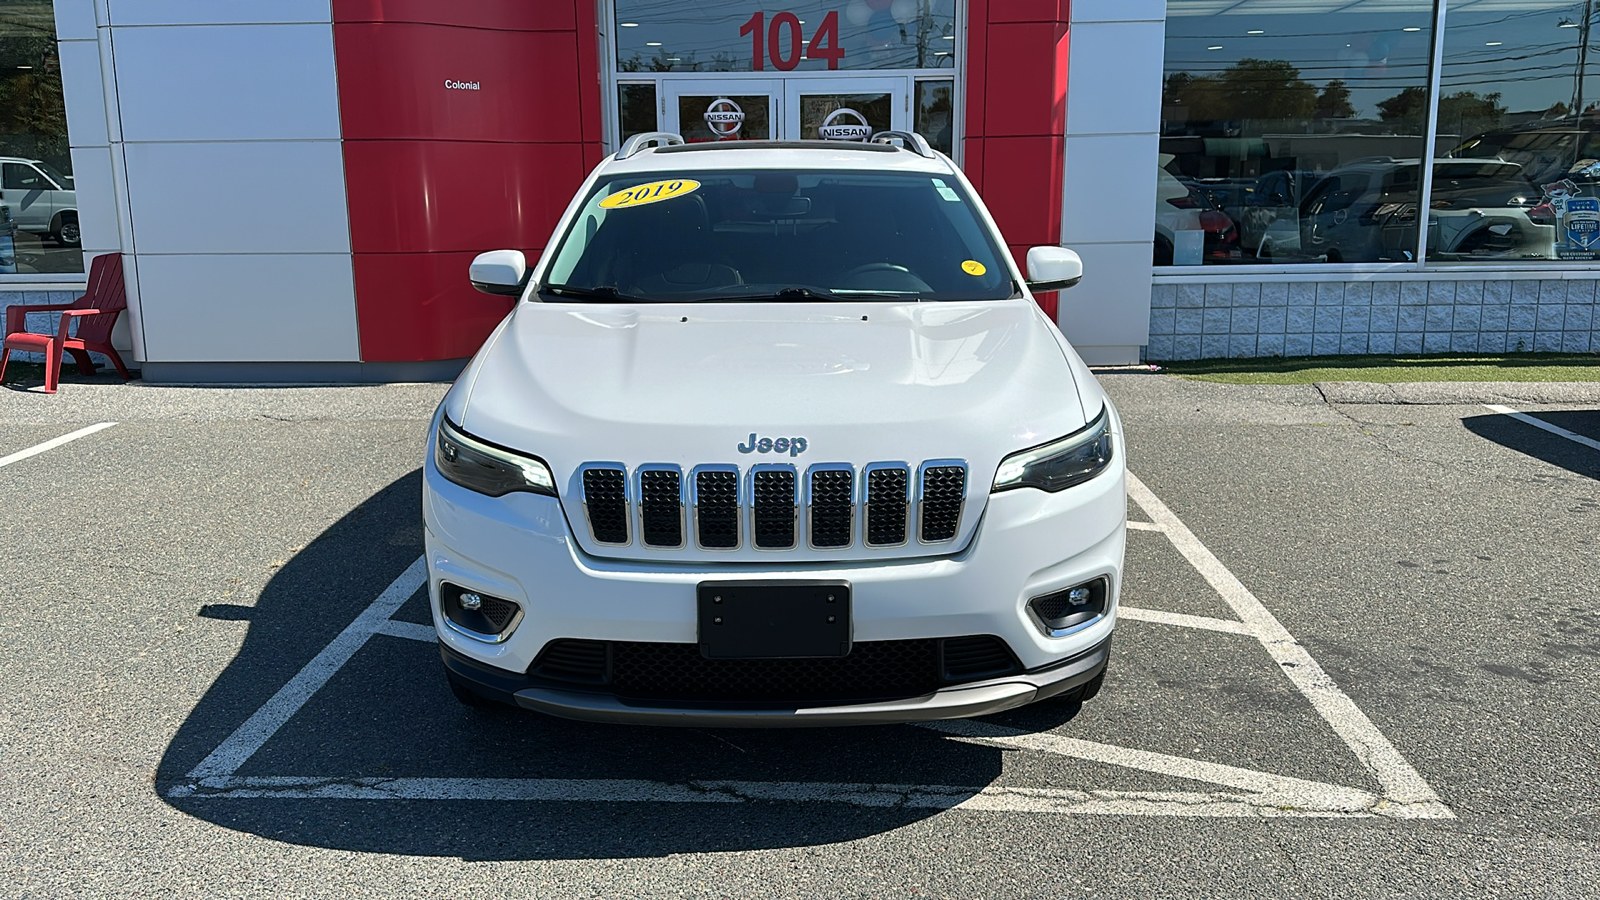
(487, 469)
(1060, 464)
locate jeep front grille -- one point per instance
(771, 507)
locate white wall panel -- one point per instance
(227, 82)
(1111, 306)
(1121, 66)
(1102, 207)
(97, 198)
(75, 20)
(248, 308)
(84, 93)
(219, 12)
(273, 197)
(1118, 10)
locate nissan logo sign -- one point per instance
(838, 127)
(724, 117)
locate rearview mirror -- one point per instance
(1053, 269)
(503, 272)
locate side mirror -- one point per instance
(1053, 269)
(503, 272)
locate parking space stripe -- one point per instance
(1183, 620)
(53, 443)
(1536, 422)
(265, 722)
(1401, 783)
(1295, 792)
(410, 630)
(1134, 525)
(1216, 804)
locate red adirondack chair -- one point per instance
(96, 311)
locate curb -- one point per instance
(1459, 393)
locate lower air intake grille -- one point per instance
(605, 498)
(832, 508)
(717, 509)
(886, 506)
(772, 493)
(978, 657)
(579, 662)
(874, 670)
(943, 490)
(661, 507)
(498, 612)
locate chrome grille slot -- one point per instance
(773, 506)
(661, 506)
(605, 502)
(941, 490)
(832, 506)
(716, 507)
(888, 504)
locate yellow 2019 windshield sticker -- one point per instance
(973, 267)
(654, 192)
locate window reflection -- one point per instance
(636, 109)
(787, 35)
(39, 210)
(1519, 96)
(1291, 136)
(935, 102)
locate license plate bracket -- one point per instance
(774, 619)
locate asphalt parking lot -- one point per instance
(1359, 657)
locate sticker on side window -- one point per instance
(654, 192)
(945, 191)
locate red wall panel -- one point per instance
(392, 83)
(422, 196)
(419, 306)
(1016, 117)
(501, 15)
(436, 175)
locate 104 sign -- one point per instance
(824, 44)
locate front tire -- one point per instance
(66, 231)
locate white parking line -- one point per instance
(1183, 620)
(1135, 525)
(1536, 422)
(53, 443)
(1248, 793)
(265, 722)
(1401, 783)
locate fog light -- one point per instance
(1060, 613)
(478, 615)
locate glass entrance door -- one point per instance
(723, 109)
(846, 109)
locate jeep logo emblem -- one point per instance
(793, 446)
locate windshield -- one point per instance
(777, 235)
(63, 180)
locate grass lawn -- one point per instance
(1393, 369)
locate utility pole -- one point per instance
(1583, 57)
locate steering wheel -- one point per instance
(872, 267)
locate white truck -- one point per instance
(775, 434)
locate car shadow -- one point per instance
(388, 714)
(1542, 445)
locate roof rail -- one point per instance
(649, 139)
(912, 141)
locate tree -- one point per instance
(1334, 102)
(1248, 89)
(1411, 103)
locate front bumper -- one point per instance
(976, 699)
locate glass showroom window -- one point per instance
(38, 205)
(1292, 133)
(1519, 119)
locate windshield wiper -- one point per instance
(604, 292)
(788, 294)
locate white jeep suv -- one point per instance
(775, 435)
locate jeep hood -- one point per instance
(689, 383)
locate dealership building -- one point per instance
(298, 186)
